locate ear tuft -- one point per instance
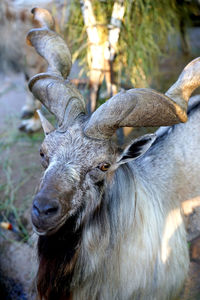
(137, 148)
(46, 125)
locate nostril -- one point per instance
(50, 210)
(36, 210)
(45, 207)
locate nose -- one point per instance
(45, 208)
(45, 211)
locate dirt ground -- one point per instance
(19, 175)
(20, 171)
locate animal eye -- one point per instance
(41, 153)
(104, 167)
(44, 160)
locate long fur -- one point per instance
(127, 240)
(57, 256)
(95, 252)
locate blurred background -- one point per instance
(115, 45)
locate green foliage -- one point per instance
(146, 34)
(145, 31)
(75, 33)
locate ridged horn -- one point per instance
(187, 82)
(43, 18)
(145, 107)
(52, 88)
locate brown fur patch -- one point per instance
(10, 15)
(57, 257)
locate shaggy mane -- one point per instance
(71, 255)
(57, 256)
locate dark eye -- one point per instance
(41, 153)
(104, 167)
(44, 160)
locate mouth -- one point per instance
(39, 232)
(51, 230)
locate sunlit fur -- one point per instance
(123, 237)
(123, 252)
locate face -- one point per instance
(76, 169)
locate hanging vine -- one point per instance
(144, 34)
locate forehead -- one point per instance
(73, 145)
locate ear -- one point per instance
(137, 148)
(47, 127)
